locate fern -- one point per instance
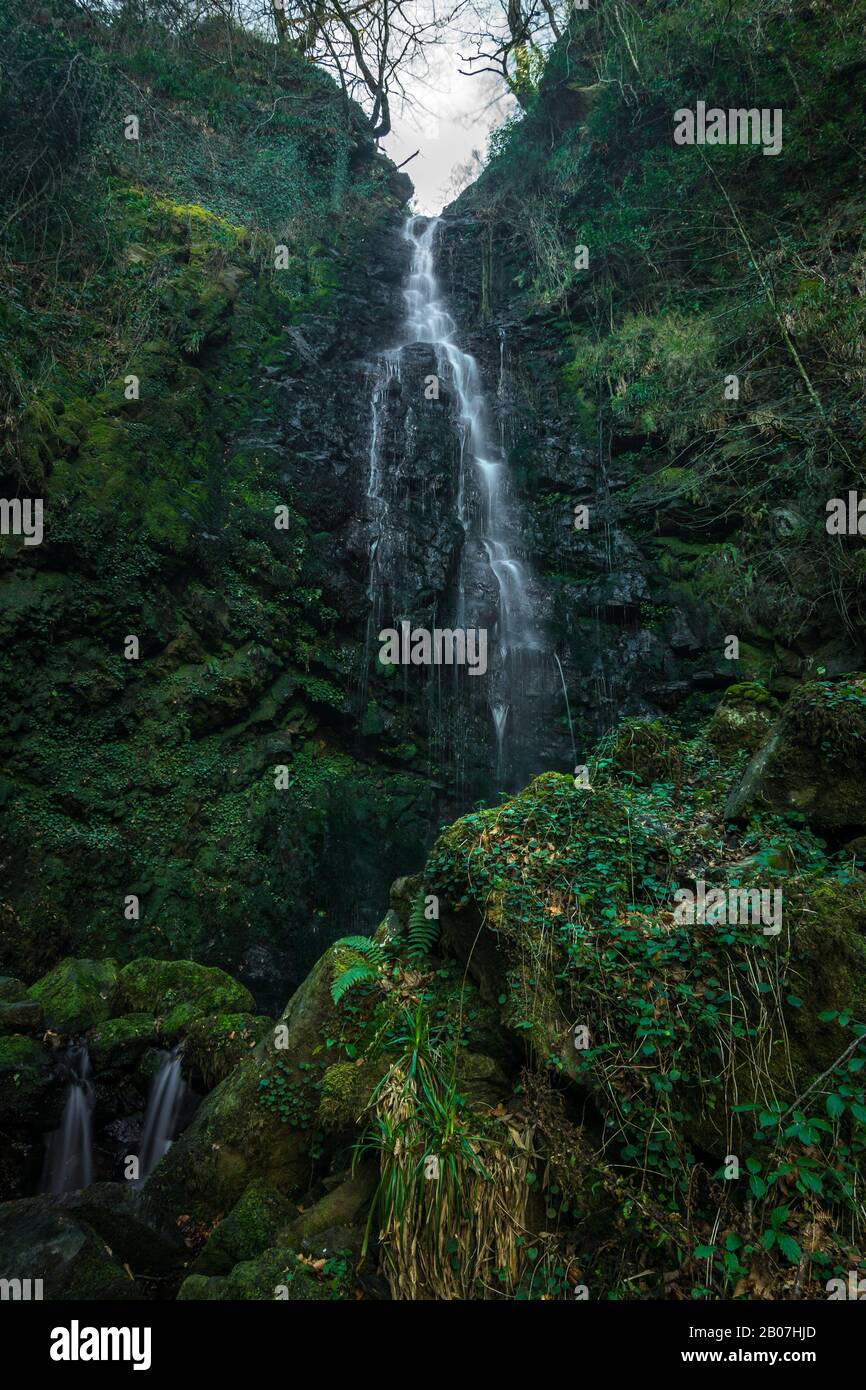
(363, 969)
(365, 946)
(423, 932)
(353, 976)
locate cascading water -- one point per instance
(69, 1158)
(491, 589)
(167, 1092)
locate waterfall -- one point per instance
(69, 1156)
(567, 707)
(491, 588)
(163, 1110)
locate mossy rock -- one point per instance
(342, 1207)
(813, 761)
(250, 1227)
(121, 1042)
(743, 718)
(21, 1016)
(161, 986)
(829, 945)
(76, 994)
(11, 989)
(481, 1079)
(259, 1122)
(346, 1091)
(647, 749)
(113, 1211)
(30, 1092)
(216, 1043)
(39, 1241)
(275, 1275)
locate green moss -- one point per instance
(275, 1275)
(216, 1043)
(346, 1091)
(76, 994)
(648, 749)
(121, 1041)
(28, 1091)
(179, 991)
(251, 1225)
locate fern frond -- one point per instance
(353, 976)
(423, 932)
(365, 946)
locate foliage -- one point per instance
(361, 971)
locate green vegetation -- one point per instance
(705, 262)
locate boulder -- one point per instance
(21, 1015)
(114, 1211)
(76, 994)
(40, 1241)
(216, 1044)
(178, 991)
(256, 1124)
(121, 1041)
(813, 760)
(250, 1227)
(30, 1092)
(275, 1275)
(743, 718)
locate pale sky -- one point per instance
(460, 113)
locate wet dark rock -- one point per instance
(42, 1241)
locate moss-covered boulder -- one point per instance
(114, 1212)
(275, 1275)
(340, 1208)
(178, 991)
(21, 1016)
(39, 1241)
(76, 994)
(260, 1122)
(648, 750)
(216, 1043)
(250, 1227)
(346, 1089)
(30, 1093)
(743, 718)
(121, 1042)
(813, 761)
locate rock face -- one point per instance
(813, 762)
(603, 591)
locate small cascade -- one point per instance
(167, 1092)
(567, 708)
(500, 716)
(69, 1157)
